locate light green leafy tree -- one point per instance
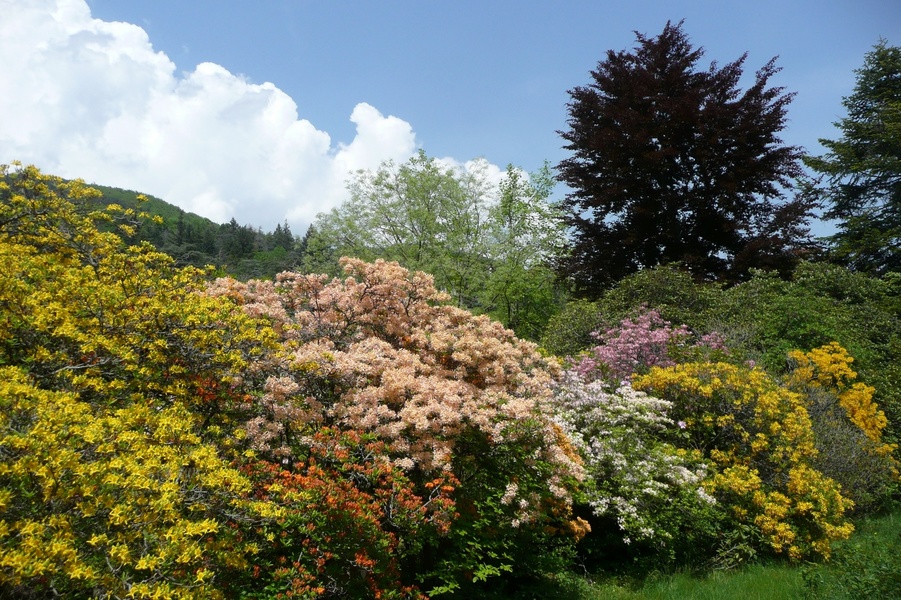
(489, 246)
(425, 216)
(526, 235)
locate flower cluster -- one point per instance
(380, 352)
(332, 536)
(637, 477)
(115, 387)
(635, 345)
(829, 367)
(849, 425)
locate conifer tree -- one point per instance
(862, 169)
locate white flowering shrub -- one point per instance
(637, 478)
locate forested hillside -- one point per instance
(239, 250)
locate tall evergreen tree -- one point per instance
(282, 237)
(672, 163)
(862, 169)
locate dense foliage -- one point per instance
(682, 438)
(762, 319)
(671, 162)
(161, 437)
(166, 432)
(239, 250)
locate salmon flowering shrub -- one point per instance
(647, 484)
(381, 352)
(759, 438)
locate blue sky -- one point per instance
(258, 110)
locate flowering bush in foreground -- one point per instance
(352, 438)
(445, 391)
(345, 518)
(115, 474)
(759, 437)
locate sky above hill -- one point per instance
(259, 110)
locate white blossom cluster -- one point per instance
(636, 475)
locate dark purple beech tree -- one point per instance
(672, 163)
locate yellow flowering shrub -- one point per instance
(848, 423)
(117, 407)
(829, 367)
(117, 500)
(759, 436)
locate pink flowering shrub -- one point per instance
(636, 345)
(445, 391)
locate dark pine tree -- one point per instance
(863, 168)
(671, 163)
(282, 237)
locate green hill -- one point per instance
(238, 250)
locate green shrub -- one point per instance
(667, 289)
(765, 318)
(569, 331)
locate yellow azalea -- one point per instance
(744, 417)
(829, 367)
(102, 354)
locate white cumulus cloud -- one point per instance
(92, 99)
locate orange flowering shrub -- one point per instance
(759, 436)
(331, 535)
